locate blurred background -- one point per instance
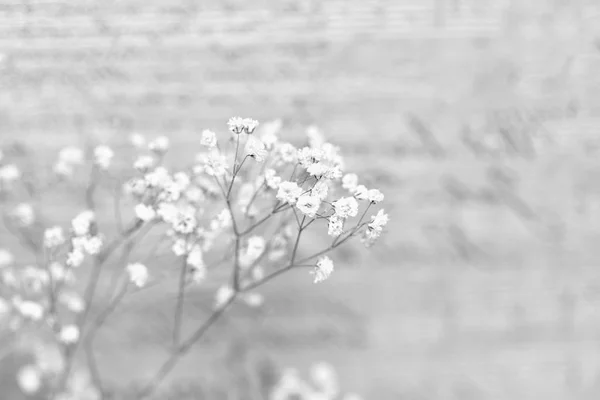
(478, 119)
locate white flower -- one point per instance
(30, 309)
(361, 192)
(29, 379)
(63, 169)
(271, 180)
(71, 155)
(24, 214)
(6, 258)
(318, 169)
(287, 152)
(82, 223)
(250, 125)
(208, 139)
(145, 212)
(59, 273)
(254, 299)
(92, 245)
(195, 257)
(288, 192)
(136, 187)
(167, 212)
(223, 295)
(75, 258)
(73, 301)
(137, 140)
(69, 334)
(214, 163)
(53, 237)
(323, 269)
(197, 274)
(346, 207)
(350, 182)
(336, 225)
(194, 194)
(325, 378)
(308, 205)
(256, 246)
(103, 155)
(158, 178)
(269, 133)
(138, 274)
(236, 125)
(143, 163)
(320, 190)
(379, 220)
(9, 173)
(159, 145)
(308, 156)
(255, 148)
(374, 196)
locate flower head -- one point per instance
(69, 334)
(24, 214)
(138, 274)
(160, 145)
(256, 149)
(208, 139)
(288, 192)
(53, 237)
(308, 205)
(346, 207)
(145, 212)
(323, 269)
(236, 125)
(250, 125)
(103, 156)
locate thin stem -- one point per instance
(180, 302)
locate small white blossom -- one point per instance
(288, 192)
(346, 207)
(374, 196)
(350, 182)
(308, 205)
(236, 125)
(53, 237)
(250, 125)
(62, 168)
(315, 137)
(82, 223)
(75, 258)
(138, 274)
(30, 309)
(308, 156)
(287, 153)
(71, 155)
(144, 163)
(361, 192)
(195, 258)
(59, 273)
(24, 214)
(6, 258)
(318, 169)
(320, 190)
(135, 187)
(103, 156)
(208, 139)
(323, 269)
(271, 180)
(29, 379)
(145, 212)
(137, 140)
(254, 299)
(336, 225)
(160, 145)
(214, 163)
(93, 245)
(269, 133)
(255, 149)
(69, 334)
(379, 220)
(325, 378)
(158, 178)
(73, 301)
(9, 173)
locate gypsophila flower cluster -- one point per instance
(232, 220)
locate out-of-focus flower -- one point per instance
(82, 223)
(53, 237)
(323, 269)
(138, 274)
(103, 156)
(374, 196)
(195, 257)
(236, 125)
(255, 148)
(72, 301)
(71, 155)
(379, 220)
(288, 192)
(308, 205)
(208, 139)
(30, 309)
(24, 214)
(271, 179)
(269, 133)
(69, 334)
(9, 173)
(320, 190)
(160, 145)
(350, 182)
(144, 163)
(325, 378)
(75, 258)
(308, 156)
(29, 379)
(287, 153)
(6, 258)
(250, 125)
(224, 294)
(315, 137)
(335, 226)
(145, 212)
(63, 169)
(137, 140)
(254, 299)
(346, 207)
(361, 192)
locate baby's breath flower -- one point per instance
(254, 299)
(194, 194)
(69, 334)
(361, 192)
(144, 163)
(269, 133)
(320, 190)
(197, 274)
(346, 207)
(24, 214)
(145, 212)
(208, 139)
(287, 153)
(92, 245)
(59, 273)
(271, 180)
(82, 223)
(9, 173)
(288, 192)
(182, 180)
(236, 125)
(137, 140)
(374, 196)
(308, 205)
(75, 258)
(135, 187)
(325, 378)
(255, 149)
(72, 300)
(336, 225)
(29, 379)
(138, 274)
(30, 309)
(53, 237)
(215, 164)
(160, 145)
(63, 169)
(315, 137)
(103, 156)
(223, 295)
(317, 169)
(308, 156)
(250, 125)
(323, 269)
(158, 178)
(6, 258)
(350, 182)
(195, 258)
(379, 220)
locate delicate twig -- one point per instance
(180, 302)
